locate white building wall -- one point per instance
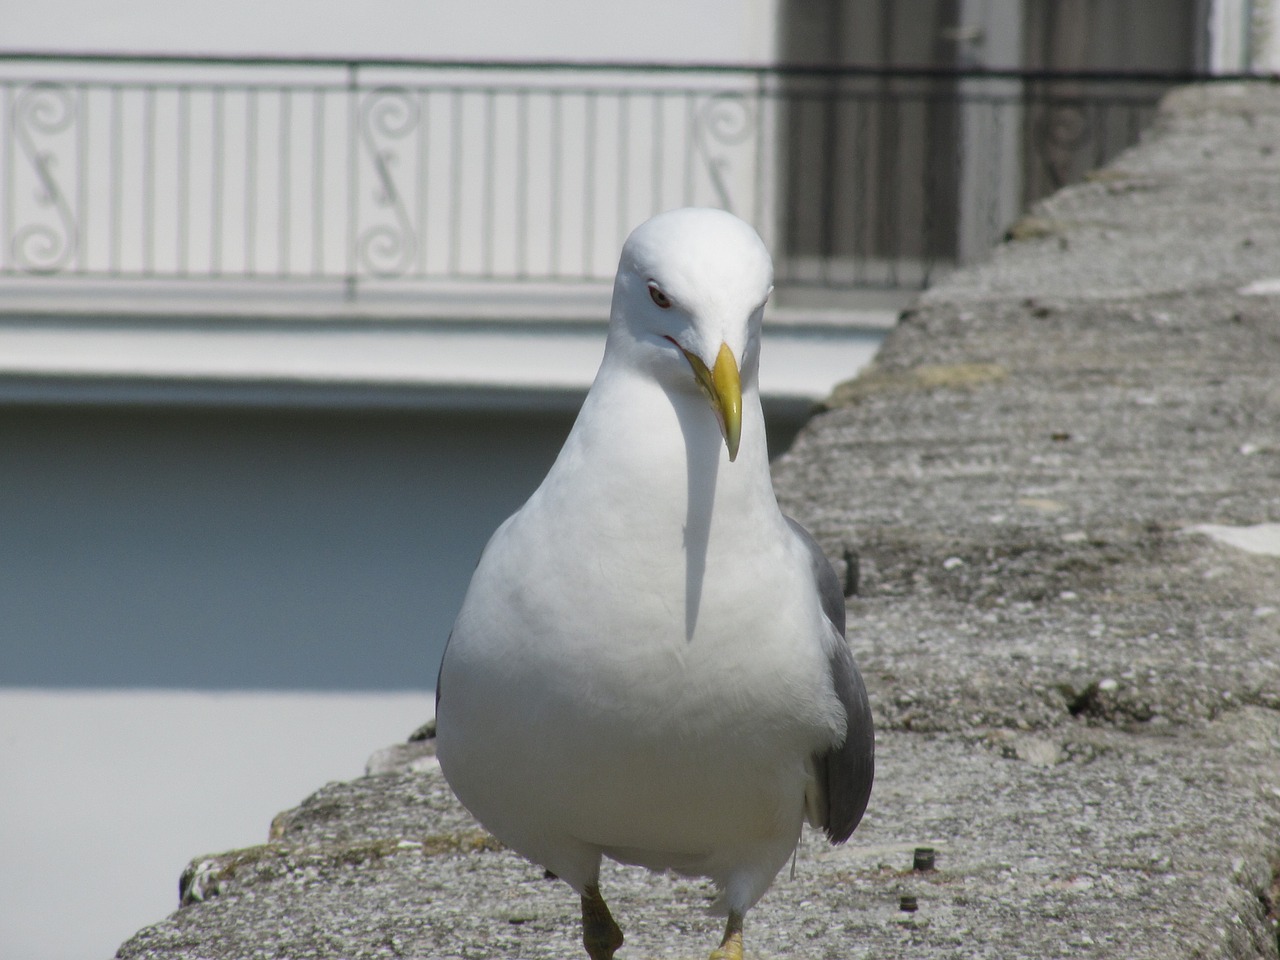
(1244, 36)
(722, 31)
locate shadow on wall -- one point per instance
(249, 550)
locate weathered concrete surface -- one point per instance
(1079, 700)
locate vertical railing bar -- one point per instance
(1103, 122)
(992, 186)
(555, 145)
(353, 177)
(184, 179)
(624, 174)
(318, 195)
(10, 174)
(800, 214)
(881, 196)
(1032, 110)
(522, 184)
(424, 178)
(757, 185)
(892, 238)
(919, 258)
(1001, 114)
(588, 181)
(862, 205)
(690, 144)
(779, 165)
(455, 182)
(1098, 123)
(780, 221)
(789, 227)
(945, 235)
(116, 178)
(250, 181)
(82, 179)
(284, 266)
(659, 152)
(148, 180)
(217, 147)
(827, 178)
(1087, 151)
(487, 211)
(932, 107)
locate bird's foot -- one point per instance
(731, 946)
(600, 934)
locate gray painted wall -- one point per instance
(237, 550)
(247, 550)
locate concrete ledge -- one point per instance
(1078, 691)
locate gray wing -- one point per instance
(845, 771)
(440, 670)
(445, 652)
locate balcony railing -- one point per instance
(380, 175)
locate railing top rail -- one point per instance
(600, 66)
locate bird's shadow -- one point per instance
(702, 443)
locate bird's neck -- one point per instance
(639, 443)
(645, 478)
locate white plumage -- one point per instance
(649, 663)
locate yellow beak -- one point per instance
(723, 386)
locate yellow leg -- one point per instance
(600, 935)
(731, 946)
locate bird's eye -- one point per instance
(658, 297)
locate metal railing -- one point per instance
(385, 174)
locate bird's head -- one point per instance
(688, 304)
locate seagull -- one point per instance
(650, 662)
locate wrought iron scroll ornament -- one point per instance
(387, 115)
(725, 121)
(100, 171)
(41, 113)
